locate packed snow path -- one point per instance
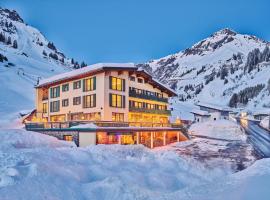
(259, 137)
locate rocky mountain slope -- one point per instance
(226, 68)
(26, 56)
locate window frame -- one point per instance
(74, 101)
(92, 101)
(92, 84)
(55, 92)
(65, 87)
(118, 84)
(77, 84)
(118, 97)
(118, 117)
(55, 106)
(44, 107)
(65, 100)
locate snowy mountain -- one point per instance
(226, 68)
(25, 57)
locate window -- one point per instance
(117, 84)
(76, 85)
(55, 92)
(68, 138)
(44, 107)
(117, 101)
(54, 106)
(89, 84)
(64, 102)
(117, 117)
(89, 101)
(132, 78)
(65, 87)
(140, 80)
(76, 100)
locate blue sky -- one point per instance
(138, 30)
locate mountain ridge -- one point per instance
(219, 61)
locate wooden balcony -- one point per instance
(133, 93)
(152, 111)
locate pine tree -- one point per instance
(44, 53)
(15, 44)
(51, 46)
(233, 100)
(2, 38)
(83, 65)
(9, 40)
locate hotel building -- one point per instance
(108, 95)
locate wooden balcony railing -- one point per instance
(68, 124)
(133, 93)
(153, 111)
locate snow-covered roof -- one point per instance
(158, 82)
(200, 112)
(81, 71)
(99, 67)
(262, 112)
(214, 106)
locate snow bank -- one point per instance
(35, 166)
(41, 167)
(222, 129)
(265, 123)
(249, 184)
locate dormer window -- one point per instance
(140, 80)
(132, 78)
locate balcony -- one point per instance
(133, 93)
(152, 111)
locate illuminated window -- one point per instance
(44, 107)
(89, 101)
(117, 84)
(76, 85)
(118, 117)
(76, 100)
(64, 102)
(65, 87)
(68, 138)
(55, 92)
(54, 106)
(117, 101)
(89, 84)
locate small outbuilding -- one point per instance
(200, 115)
(259, 115)
(216, 111)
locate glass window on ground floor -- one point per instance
(58, 118)
(95, 116)
(118, 117)
(68, 138)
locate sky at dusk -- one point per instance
(138, 30)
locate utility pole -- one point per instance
(269, 122)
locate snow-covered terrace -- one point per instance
(200, 112)
(214, 106)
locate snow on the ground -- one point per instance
(217, 144)
(36, 166)
(265, 123)
(221, 129)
